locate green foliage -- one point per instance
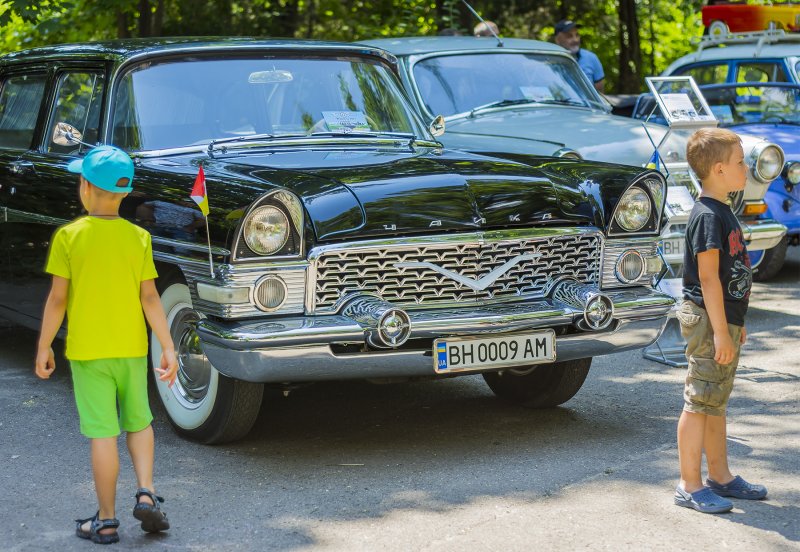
(665, 26)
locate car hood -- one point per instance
(786, 136)
(350, 194)
(595, 135)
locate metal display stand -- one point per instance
(683, 106)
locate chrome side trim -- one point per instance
(189, 246)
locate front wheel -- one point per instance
(541, 385)
(203, 404)
(771, 262)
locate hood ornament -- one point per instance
(477, 285)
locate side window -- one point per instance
(706, 74)
(760, 72)
(78, 100)
(20, 102)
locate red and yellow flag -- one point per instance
(199, 193)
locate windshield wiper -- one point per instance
(563, 102)
(501, 103)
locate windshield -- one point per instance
(459, 83)
(739, 105)
(183, 103)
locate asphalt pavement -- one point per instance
(437, 465)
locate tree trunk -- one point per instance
(158, 22)
(630, 54)
(145, 19)
(122, 25)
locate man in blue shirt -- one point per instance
(568, 37)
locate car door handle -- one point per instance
(22, 167)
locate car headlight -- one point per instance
(266, 230)
(791, 173)
(769, 162)
(633, 210)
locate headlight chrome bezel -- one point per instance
(292, 247)
(654, 186)
(757, 160)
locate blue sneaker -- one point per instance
(738, 488)
(703, 500)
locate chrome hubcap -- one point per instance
(194, 370)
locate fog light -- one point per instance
(270, 293)
(599, 312)
(630, 266)
(394, 327)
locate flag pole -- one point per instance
(210, 258)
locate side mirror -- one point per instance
(64, 134)
(437, 126)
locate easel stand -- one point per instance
(683, 106)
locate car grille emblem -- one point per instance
(480, 284)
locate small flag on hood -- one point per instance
(199, 194)
(654, 163)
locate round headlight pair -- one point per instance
(633, 210)
(791, 173)
(266, 230)
(769, 163)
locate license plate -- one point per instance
(672, 247)
(478, 353)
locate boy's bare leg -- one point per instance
(141, 446)
(105, 466)
(691, 427)
(716, 447)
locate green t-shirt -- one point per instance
(105, 261)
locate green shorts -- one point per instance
(102, 384)
(708, 383)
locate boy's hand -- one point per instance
(169, 367)
(743, 339)
(45, 362)
(724, 348)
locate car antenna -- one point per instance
(476, 14)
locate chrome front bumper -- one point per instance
(311, 348)
(762, 234)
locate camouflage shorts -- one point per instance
(708, 384)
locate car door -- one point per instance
(46, 195)
(22, 104)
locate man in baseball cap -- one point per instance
(567, 36)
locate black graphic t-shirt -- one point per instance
(712, 225)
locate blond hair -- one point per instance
(708, 146)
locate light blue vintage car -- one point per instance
(531, 97)
(771, 110)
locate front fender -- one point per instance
(782, 206)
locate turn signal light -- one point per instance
(758, 208)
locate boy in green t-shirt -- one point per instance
(103, 277)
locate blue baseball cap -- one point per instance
(106, 167)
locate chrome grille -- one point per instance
(364, 268)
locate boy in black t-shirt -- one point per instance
(716, 288)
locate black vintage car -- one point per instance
(346, 242)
